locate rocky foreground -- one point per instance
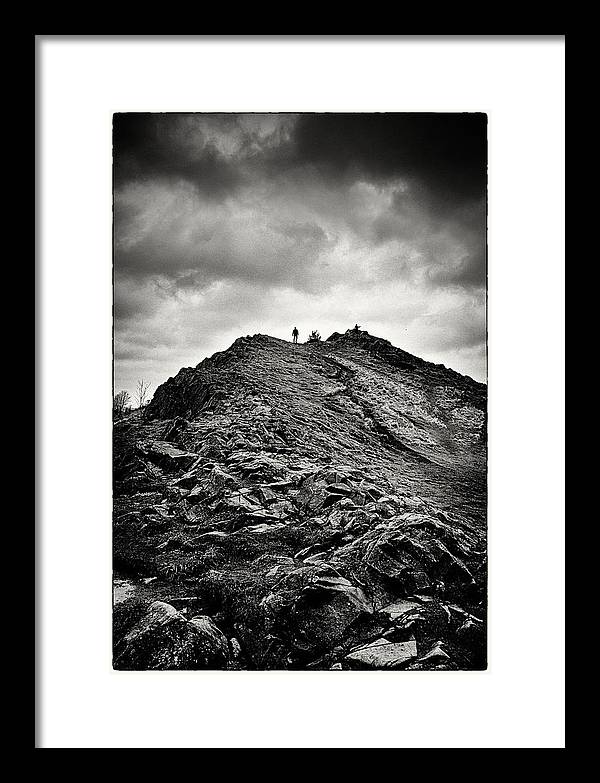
(310, 506)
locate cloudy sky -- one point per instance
(233, 224)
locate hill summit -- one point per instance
(316, 505)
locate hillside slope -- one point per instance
(313, 505)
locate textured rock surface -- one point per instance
(382, 654)
(312, 500)
(164, 639)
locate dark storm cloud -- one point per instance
(443, 153)
(446, 153)
(436, 161)
(154, 147)
(451, 242)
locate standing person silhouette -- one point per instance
(295, 334)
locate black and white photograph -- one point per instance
(300, 397)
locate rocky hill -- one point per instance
(317, 505)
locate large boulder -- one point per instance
(165, 639)
(323, 612)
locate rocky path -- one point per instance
(299, 494)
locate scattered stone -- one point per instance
(166, 456)
(331, 499)
(401, 607)
(382, 654)
(278, 485)
(255, 529)
(339, 489)
(431, 619)
(437, 654)
(265, 495)
(174, 429)
(188, 480)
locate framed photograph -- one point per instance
(304, 467)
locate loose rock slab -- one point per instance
(382, 654)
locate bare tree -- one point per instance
(121, 403)
(141, 392)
